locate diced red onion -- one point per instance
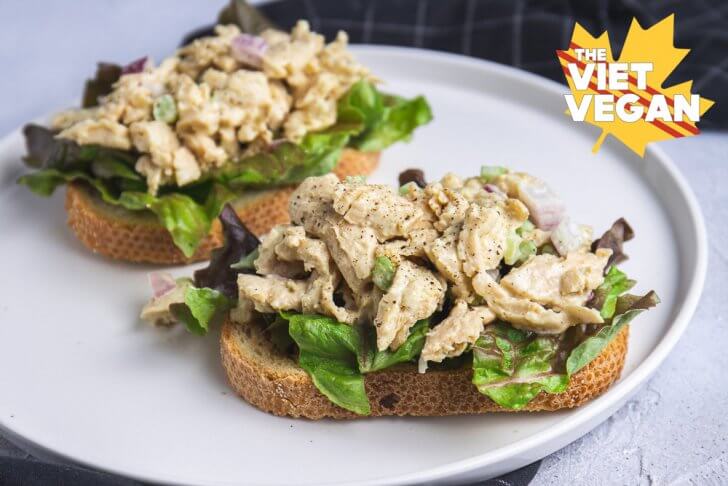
(161, 283)
(493, 189)
(136, 66)
(567, 237)
(546, 208)
(249, 49)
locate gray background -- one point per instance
(674, 431)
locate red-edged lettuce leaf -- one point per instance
(101, 84)
(511, 366)
(248, 18)
(614, 239)
(605, 296)
(627, 308)
(220, 274)
(213, 292)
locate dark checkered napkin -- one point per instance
(526, 34)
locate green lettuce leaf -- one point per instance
(323, 336)
(587, 350)
(187, 219)
(327, 352)
(339, 381)
(511, 366)
(201, 309)
(605, 296)
(44, 182)
(336, 357)
(368, 120)
(286, 163)
(278, 333)
(408, 351)
(387, 119)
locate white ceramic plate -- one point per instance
(84, 380)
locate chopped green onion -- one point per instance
(383, 272)
(517, 249)
(526, 248)
(548, 249)
(490, 172)
(357, 179)
(526, 227)
(513, 242)
(165, 109)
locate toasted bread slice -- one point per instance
(273, 382)
(136, 236)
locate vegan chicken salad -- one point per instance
(487, 273)
(225, 114)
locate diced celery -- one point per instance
(165, 109)
(383, 272)
(490, 172)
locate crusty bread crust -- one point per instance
(276, 384)
(137, 237)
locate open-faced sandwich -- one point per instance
(156, 151)
(460, 296)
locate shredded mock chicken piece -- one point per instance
(273, 293)
(218, 104)
(413, 246)
(377, 207)
(311, 205)
(447, 240)
(528, 315)
(460, 329)
(558, 282)
(443, 253)
(416, 293)
(352, 248)
(274, 258)
(447, 205)
(482, 240)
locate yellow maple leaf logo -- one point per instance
(653, 45)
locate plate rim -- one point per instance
(582, 419)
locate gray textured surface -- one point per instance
(674, 431)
